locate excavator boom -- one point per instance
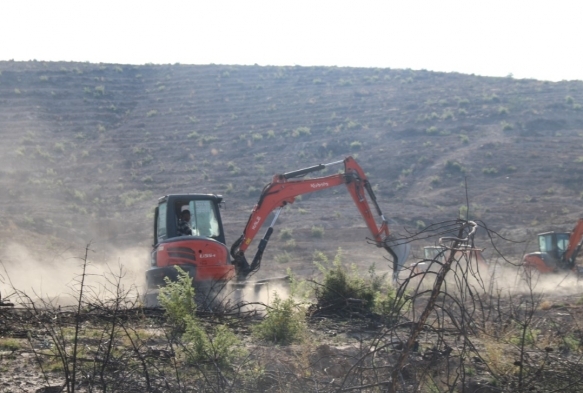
(575, 242)
(284, 188)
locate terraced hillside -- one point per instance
(88, 148)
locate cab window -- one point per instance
(545, 243)
(161, 231)
(562, 242)
(203, 218)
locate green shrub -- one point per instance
(454, 166)
(9, 344)
(300, 131)
(431, 130)
(233, 168)
(463, 212)
(352, 125)
(507, 126)
(207, 139)
(356, 145)
(463, 102)
(388, 304)
(252, 191)
(317, 232)
(221, 348)
(286, 234)
(492, 98)
(284, 257)
(447, 115)
(340, 284)
(284, 322)
(177, 300)
(290, 244)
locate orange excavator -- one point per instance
(557, 251)
(203, 253)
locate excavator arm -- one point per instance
(575, 243)
(283, 190)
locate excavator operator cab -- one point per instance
(205, 219)
(554, 244)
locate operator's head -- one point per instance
(185, 215)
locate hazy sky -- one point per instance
(529, 39)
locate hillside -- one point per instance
(88, 148)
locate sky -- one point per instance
(526, 39)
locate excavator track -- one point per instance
(219, 295)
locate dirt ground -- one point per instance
(338, 342)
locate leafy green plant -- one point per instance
(300, 131)
(529, 338)
(233, 168)
(431, 130)
(286, 234)
(290, 244)
(9, 344)
(317, 232)
(454, 166)
(284, 322)
(178, 301)
(356, 145)
(282, 258)
(340, 284)
(221, 348)
(489, 171)
(177, 298)
(507, 126)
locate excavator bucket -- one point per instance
(399, 250)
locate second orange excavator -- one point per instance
(557, 251)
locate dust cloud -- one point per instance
(507, 279)
(55, 277)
